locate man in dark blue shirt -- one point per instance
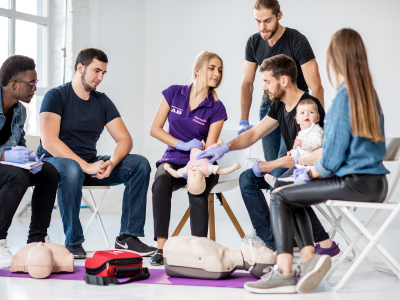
(72, 117)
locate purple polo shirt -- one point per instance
(186, 125)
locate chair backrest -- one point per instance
(32, 142)
(392, 149)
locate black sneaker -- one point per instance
(77, 251)
(133, 244)
(157, 259)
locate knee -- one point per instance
(247, 180)
(161, 181)
(20, 178)
(139, 163)
(276, 197)
(70, 171)
(50, 172)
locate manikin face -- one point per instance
(92, 75)
(267, 23)
(213, 73)
(307, 114)
(196, 182)
(25, 92)
(273, 86)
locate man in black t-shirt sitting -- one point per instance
(72, 117)
(270, 40)
(279, 75)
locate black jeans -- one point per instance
(13, 184)
(289, 203)
(163, 186)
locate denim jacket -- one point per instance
(343, 153)
(17, 126)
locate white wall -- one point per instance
(152, 44)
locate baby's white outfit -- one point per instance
(311, 139)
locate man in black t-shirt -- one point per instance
(72, 117)
(279, 75)
(273, 39)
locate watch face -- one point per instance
(309, 175)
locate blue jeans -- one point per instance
(250, 185)
(133, 171)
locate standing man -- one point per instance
(273, 39)
(18, 81)
(72, 118)
(279, 75)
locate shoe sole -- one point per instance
(144, 254)
(156, 264)
(337, 256)
(290, 289)
(79, 256)
(312, 279)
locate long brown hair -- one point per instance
(347, 56)
(201, 62)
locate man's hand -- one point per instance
(244, 126)
(93, 168)
(105, 170)
(256, 170)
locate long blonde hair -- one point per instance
(347, 56)
(201, 62)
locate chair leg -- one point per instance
(182, 222)
(232, 216)
(211, 216)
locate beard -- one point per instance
(86, 86)
(273, 31)
(278, 95)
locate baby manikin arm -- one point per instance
(171, 171)
(220, 142)
(228, 170)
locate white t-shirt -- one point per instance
(311, 139)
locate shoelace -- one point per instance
(269, 271)
(4, 250)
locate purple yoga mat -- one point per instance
(157, 276)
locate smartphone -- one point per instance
(253, 160)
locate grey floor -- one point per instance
(364, 284)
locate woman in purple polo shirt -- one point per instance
(194, 113)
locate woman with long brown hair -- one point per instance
(350, 168)
(194, 113)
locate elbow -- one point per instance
(152, 131)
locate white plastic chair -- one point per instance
(343, 208)
(228, 183)
(32, 142)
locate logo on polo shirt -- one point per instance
(176, 110)
(199, 120)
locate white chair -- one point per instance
(343, 208)
(228, 183)
(32, 142)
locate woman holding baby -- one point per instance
(194, 114)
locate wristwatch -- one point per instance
(309, 175)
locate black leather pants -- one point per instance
(288, 214)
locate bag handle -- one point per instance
(98, 280)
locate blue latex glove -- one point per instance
(244, 126)
(37, 169)
(195, 143)
(214, 153)
(296, 157)
(300, 175)
(185, 176)
(19, 156)
(256, 170)
(32, 156)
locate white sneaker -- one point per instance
(5, 254)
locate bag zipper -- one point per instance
(113, 262)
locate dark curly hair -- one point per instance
(14, 66)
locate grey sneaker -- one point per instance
(312, 273)
(273, 282)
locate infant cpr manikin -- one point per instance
(42, 259)
(200, 257)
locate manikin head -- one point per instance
(267, 14)
(307, 113)
(91, 65)
(279, 75)
(196, 182)
(18, 75)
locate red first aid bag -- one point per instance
(107, 266)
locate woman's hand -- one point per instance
(297, 143)
(195, 143)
